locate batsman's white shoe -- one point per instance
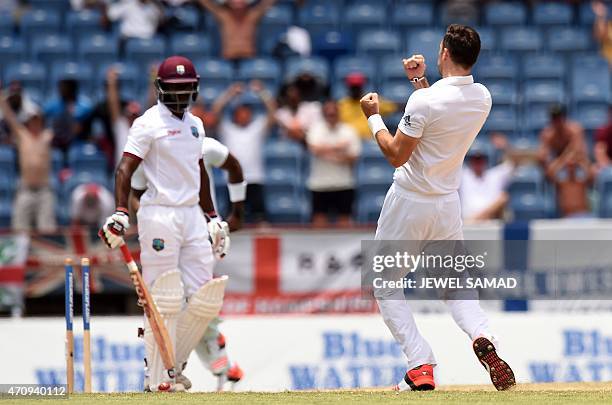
(182, 379)
(170, 387)
(500, 372)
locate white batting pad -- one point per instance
(204, 305)
(168, 293)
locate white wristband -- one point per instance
(237, 191)
(376, 123)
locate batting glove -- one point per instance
(114, 228)
(218, 233)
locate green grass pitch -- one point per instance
(549, 394)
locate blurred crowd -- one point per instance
(331, 130)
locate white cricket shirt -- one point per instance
(170, 149)
(446, 117)
(215, 155)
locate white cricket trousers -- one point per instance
(175, 238)
(407, 215)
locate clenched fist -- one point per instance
(414, 66)
(369, 104)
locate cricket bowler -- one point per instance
(438, 126)
(176, 219)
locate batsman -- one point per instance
(179, 231)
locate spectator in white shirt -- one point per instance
(483, 188)
(335, 146)
(138, 18)
(90, 205)
(244, 135)
(296, 115)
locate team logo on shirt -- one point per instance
(407, 120)
(158, 244)
(194, 132)
(180, 69)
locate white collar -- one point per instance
(165, 111)
(455, 81)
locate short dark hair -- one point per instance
(463, 44)
(557, 111)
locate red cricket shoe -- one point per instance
(501, 374)
(235, 373)
(420, 378)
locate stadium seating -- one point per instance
(331, 44)
(497, 67)
(536, 118)
(315, 66)
(285, 207)
(129, 75)
(98, 48)
(526, 180)
(569, 39)
(40, 22)
(391, 68)
(83, 178)
(6, 25)
(11, 48)
(319, 16)
(6, 209)
(51, 48)
(544, 66)
(86, 158)
(191, 45)
(375, 43)
(145, 52)
(427, 43)
(369, 205)
(214, 71)
(31, 75)
(521, 39)
(8, 160)
(552, 14)
(353, 64)
(364, 15)
(592, 117)
(529, 206)
(397, 92)
(50, 5)
(505, 13)
(83, 23)
(266, 70)
(283, 154)
(488, 39)
(502, 92)
(185, 18)
(411, 15)
(544, 92)
(82, 72)
(374, 176)
(210, 92)
(603, 186)
(590, 81)
(501, 118)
